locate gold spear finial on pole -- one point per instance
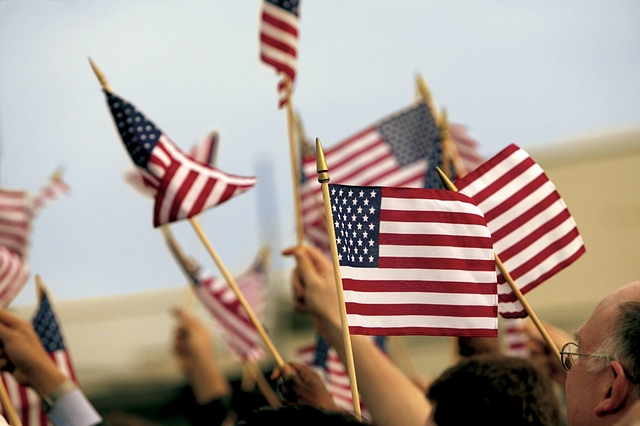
(101, 77)
(321, 163)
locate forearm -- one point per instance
(208, 382)
(389, 395)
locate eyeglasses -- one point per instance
(569, 355)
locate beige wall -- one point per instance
(598, 176)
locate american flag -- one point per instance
(49, 192)
(414, 261)
(279, 39)
(238, 331)
(325, 361)
(26, 400)
(15, 220)
(14, 274)
(184, 187)
(220, 300)
(515, 337)
(467, 147)
(396, 151)
(533, 232)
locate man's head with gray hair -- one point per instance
(622, 344)
(603, 383)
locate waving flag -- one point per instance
(221, 301)
(15, 220)
(279, 39)
(533, 232)
(515, 337)
(237, 330)
(414, 261)
(14, 274)
(396, 151)
(325, 361)
(25, 399)
(183, 187)
(49, 192)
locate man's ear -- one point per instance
(617, 393)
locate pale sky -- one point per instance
(523, 72)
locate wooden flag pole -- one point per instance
(543, 332)
(449, 150)
(262, 383)
(188, 299)
(8, 407)
(323, 178)
(227, 276)
(101, 78)
(443, 128)
(295, 162)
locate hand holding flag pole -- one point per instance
(543, 332)
(323, 178)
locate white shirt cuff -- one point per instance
(74, 409)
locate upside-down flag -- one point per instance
(396, 151)
(533, 232)
(25, 399)
(414, 261)
(183, 187)
(279, 39)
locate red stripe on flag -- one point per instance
(432, 240)
(461, 311)
(431, 217)
(277, 44)
(279, 66)
(434, 263)
(412, 286)
(429, 331)
(202, 197)
(278, 23)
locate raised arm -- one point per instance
(390, 396)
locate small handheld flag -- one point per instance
(414, 261)
(533, 232)
(184, 187)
